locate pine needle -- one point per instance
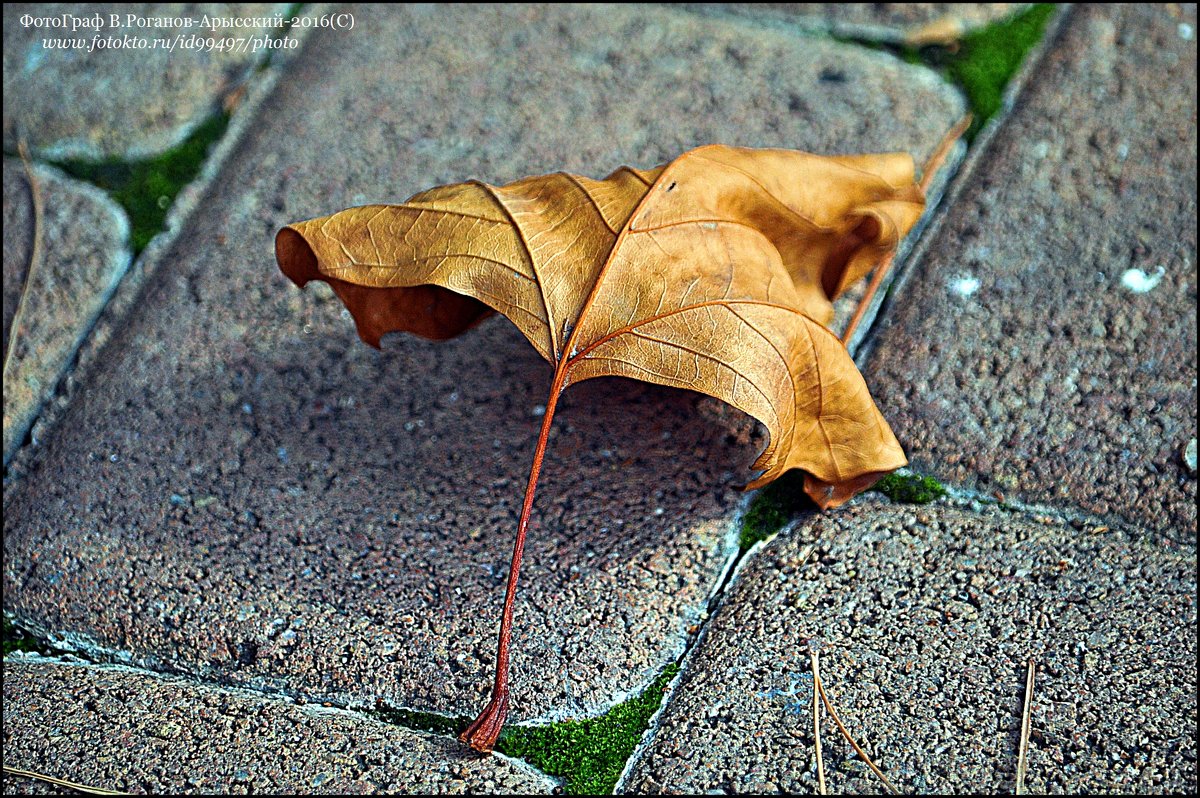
(1026, 716)
(816, 712)
(29, 774)
(35, 192)
(845, 733)
(931, 168)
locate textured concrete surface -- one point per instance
(248, 492)
(127, 730)
(917, 23)
(71, 98)
(1045, 348)
(925, 618)
(84, 251)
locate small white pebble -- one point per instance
(1186, 32)
(1139, 282)
(964, 284)
(539, 411)
(1189, 455)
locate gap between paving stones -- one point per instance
(965, 171)
(259, 85)
(69, 647)
(959, 166)
(95, 658)
(1108, 445)
(965, 500)
(201, 697)
(447, 726)
(945, 193)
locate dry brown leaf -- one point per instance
(714, 273)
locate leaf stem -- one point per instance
(482, 734)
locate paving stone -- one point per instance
(84, 252)
(1045, 345)
(117, 728)
(925, 619)
(73, 99)
(915, 23)
(246, 491)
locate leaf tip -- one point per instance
(295, 256)
(828, 495)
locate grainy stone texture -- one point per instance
(117, 728)
(247, 491)
(1045, 347)
(918, 23)
(925, 618)
(69, 102)
(84, 251)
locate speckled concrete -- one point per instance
(1045, 346)
(247, 492)
(84, 252)
(116, 728)
(925, 619)
(72, 99)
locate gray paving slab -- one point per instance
(73, 89)
(914, 23)
(117, 728)
(83, 252)
(1044, 346)
(925, 619)
(245, 491)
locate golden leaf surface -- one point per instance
(714, 273)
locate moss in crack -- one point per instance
(910, 488)
(17, 639)
(589, 754)
(984, 61)
(146, 188)
(773, 507)
(981, 63)
(422, 721)
(292, 11)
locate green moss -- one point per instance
(987, 59)
(425, 721)
(589, 754)
(146, 188)
(17, 639)
(771, 508)
(910, 488)
(984, 61)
